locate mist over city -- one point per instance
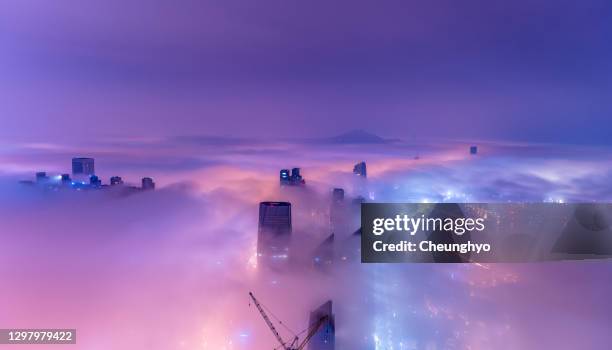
(171, 268)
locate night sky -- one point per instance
(537, 71)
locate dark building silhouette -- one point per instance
(323, 255)
(41, 177)
(340, 214)
(116, 180)
(84, 179)
(473, 150)
(291, 179)
(284, 177)
(95, 181)
(295, 174)
(325, 337)
(338, 195)
(360, 169)
(349, 248)
(274, 231)
(66, 180)
(147, 183)
(83, 166)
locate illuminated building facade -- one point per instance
(291, 179)
(274, 232)
(83, 166)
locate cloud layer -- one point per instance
(171, 269)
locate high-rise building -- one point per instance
(116, 180)
(295, 174)
(360, 169)
(339, 216)
(147, 183)
(291, 179)
(66, 180)
(274, 233)
(473, 149)
(325, 336)
(95, 181)
(41, 177)
(323, 255)
(83, 166)
(284, 177)
(338, 194)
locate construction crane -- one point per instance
(295, 343)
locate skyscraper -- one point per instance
(360, 169)
(95, 181)
(66, 180)
(284, 177)
(339, 213)
(41, 177)
(83, 166)
(293, 179)
(323, 255)
(325, 337)
(147, 183)
(295, 174)
(338, 194)
(116, 180)
(274, 233)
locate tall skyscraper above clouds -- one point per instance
(83, 166)
(274, 233)
(360, 169)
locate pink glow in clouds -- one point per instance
(171, 269)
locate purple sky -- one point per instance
(522, 70)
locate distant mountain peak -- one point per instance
(358, 136)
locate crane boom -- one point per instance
(268, 322)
